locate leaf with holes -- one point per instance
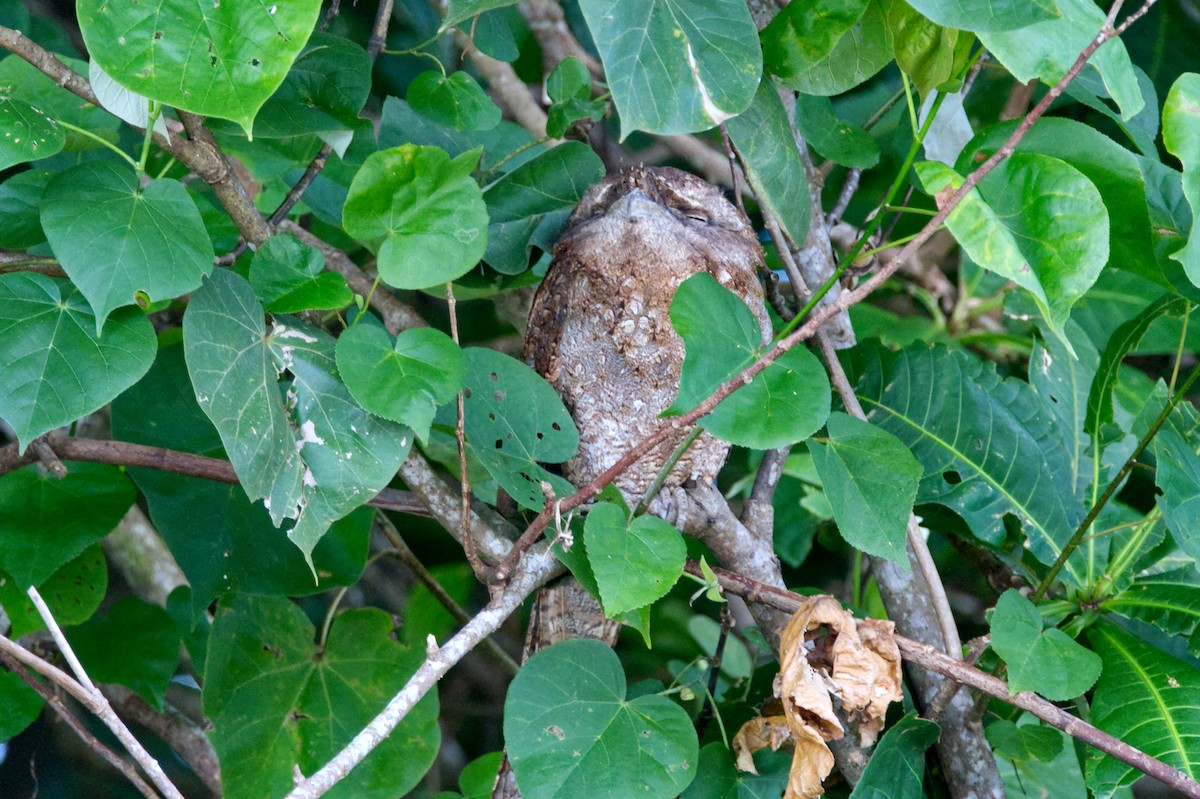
(26, 133)
(121, 243)
(1046, 661)
(220, 59)
(289, 277)
(56, 368)
(425, 211)
(404, 379)
(569, 724)
(635, 563)
(675, 66)
(514, 421)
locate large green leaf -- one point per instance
(281, 702)
(858, 52)
(897, 765)
(1181, 137)
(675, 66)
(221, 59)
(1047, 49)
(26, 133)
(776, 173)
(426, 210)
(123, 244)
(41, 528)
(1048, 662)
(56, 368)
(785, 403)
(314, 455)
(871, 480)
(1170, 601)
(514, 421)
(987, 15)
(1035, 220)
(1149, 700)
(529, 205)
(989, 446)
(635, 563)
(149, 651)
(455, 100)
(572, 731)
(1177, 476)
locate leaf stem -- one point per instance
(100, 140)
(154, 111)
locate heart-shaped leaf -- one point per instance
(118, 241)
(56, 368)
(1046, 661)
(403, 380)
(635, 563)
(572, 731)
(425, 208)
(221, 59)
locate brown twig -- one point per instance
(460, 437)
(45, 454)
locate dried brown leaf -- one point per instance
(758, 733)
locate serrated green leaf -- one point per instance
(514, 421)
(1177, 476)
(313, 456)
(1046, 661)
(289, 277)
(871, 480)
(1169, 600)
(1035, 220)
(427, 210)
(221, 59)
(787, 402)
(56, 368)
(116, 240)
(41, 528)
(636, 563)
(1046, 50)
(461, 10)
(776, 173)
(1024, 742)
(1181, 137)
(455, 100)
(987, 15)
(26, 133)
(73, 593)
(1148, 700)
(897, 765)
(988, 446)
(404, 380)
(22, 705)
(147, 657)
(571, 731)
(675, 66)
(529, 205)
(858, 52)
(279, 703)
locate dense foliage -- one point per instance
(263, 272)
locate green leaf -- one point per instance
(987, 15)
(871, 480)
(1170, 601)
(1181, 137)
(1035, 220)
(129, 106)
(1149, 701)
(56, 369)
(529, 205)
(289, 277)
(571, 731)
(1063, 382)
(776, 173)
(427, 210)
(22, 81)
(929, 53)
(840, 142)
(117, 241)
(1177, 476)
(401, 125)
(1046, 661)
(560, 115)
(569, 80)
(322, 94)
(461, 10)
(455, 100)
(736, 662)
(313, 456)
(20, 208)
(22, 705)
(477, 777)
(514, 420)
(897, 766)
(858, 53)
(26, 133)
(279, 702)
(989, 447)
(786, 403)
(1024, 742)
(801, 36)
(716, 777)
(148, 653)
(635, 563)
(214, 59)
(73, 593)
(41, 528)
(403, 380)
(675, 66)
(1047, 49)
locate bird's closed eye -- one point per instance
(696, 215)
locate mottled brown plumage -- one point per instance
(599, 329)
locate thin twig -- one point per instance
(48, 457)
(849, 186)
(464, 480)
